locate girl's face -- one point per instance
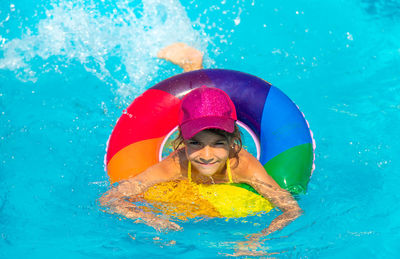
(207, 152)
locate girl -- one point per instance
(211, 154)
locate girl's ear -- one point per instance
(234, 141)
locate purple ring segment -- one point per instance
(247, 92)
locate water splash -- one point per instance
(117, 42)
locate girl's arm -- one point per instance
(116, 199)
(280, 198)
(256, 176)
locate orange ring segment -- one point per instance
(134, 159)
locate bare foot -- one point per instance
(182, 55)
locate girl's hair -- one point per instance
(234, 140)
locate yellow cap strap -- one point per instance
(228, 170)
(190, 171)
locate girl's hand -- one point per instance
(160, 224)
(152, 220)
(250, 247)
(254, 246)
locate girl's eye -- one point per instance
(220, 143)
(194, 143)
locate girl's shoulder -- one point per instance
(246, 165)
(173, 163)
(252, 172)
(166, 170)
(246, 159)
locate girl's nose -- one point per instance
(206, 155)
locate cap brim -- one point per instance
(191, 128)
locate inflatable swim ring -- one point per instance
(282, 136)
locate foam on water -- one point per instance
(117, 42)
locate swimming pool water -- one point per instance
(68, 69)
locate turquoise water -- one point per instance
(67, 70)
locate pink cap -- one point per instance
(206, 108)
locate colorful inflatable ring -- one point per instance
(283, 139)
